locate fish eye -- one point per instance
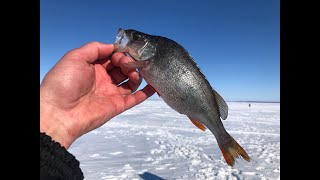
(136, 36)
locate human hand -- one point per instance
(82, 92)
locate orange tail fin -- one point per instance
(231, 150)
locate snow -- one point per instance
(152, 141)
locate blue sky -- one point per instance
(235, 43)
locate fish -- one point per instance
(173, 73)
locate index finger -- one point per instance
(120, 60)
(92, 51)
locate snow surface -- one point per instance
(152, 141)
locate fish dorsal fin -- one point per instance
(222, 105)
(198, 124)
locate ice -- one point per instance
(152, 141)
(116, 153)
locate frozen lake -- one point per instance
(152, 141)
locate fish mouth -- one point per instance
(121, 41)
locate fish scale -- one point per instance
(174, 74)
(186, 95)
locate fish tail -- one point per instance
(231, 149)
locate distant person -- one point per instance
(249, 105)
(79, 94)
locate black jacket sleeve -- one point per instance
(56, 163)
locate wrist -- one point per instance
(54, 123)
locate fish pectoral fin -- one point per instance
(198, 124)
(222, 105)
(136, 64)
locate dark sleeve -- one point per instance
(56, 163)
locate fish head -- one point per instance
(139, 45)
